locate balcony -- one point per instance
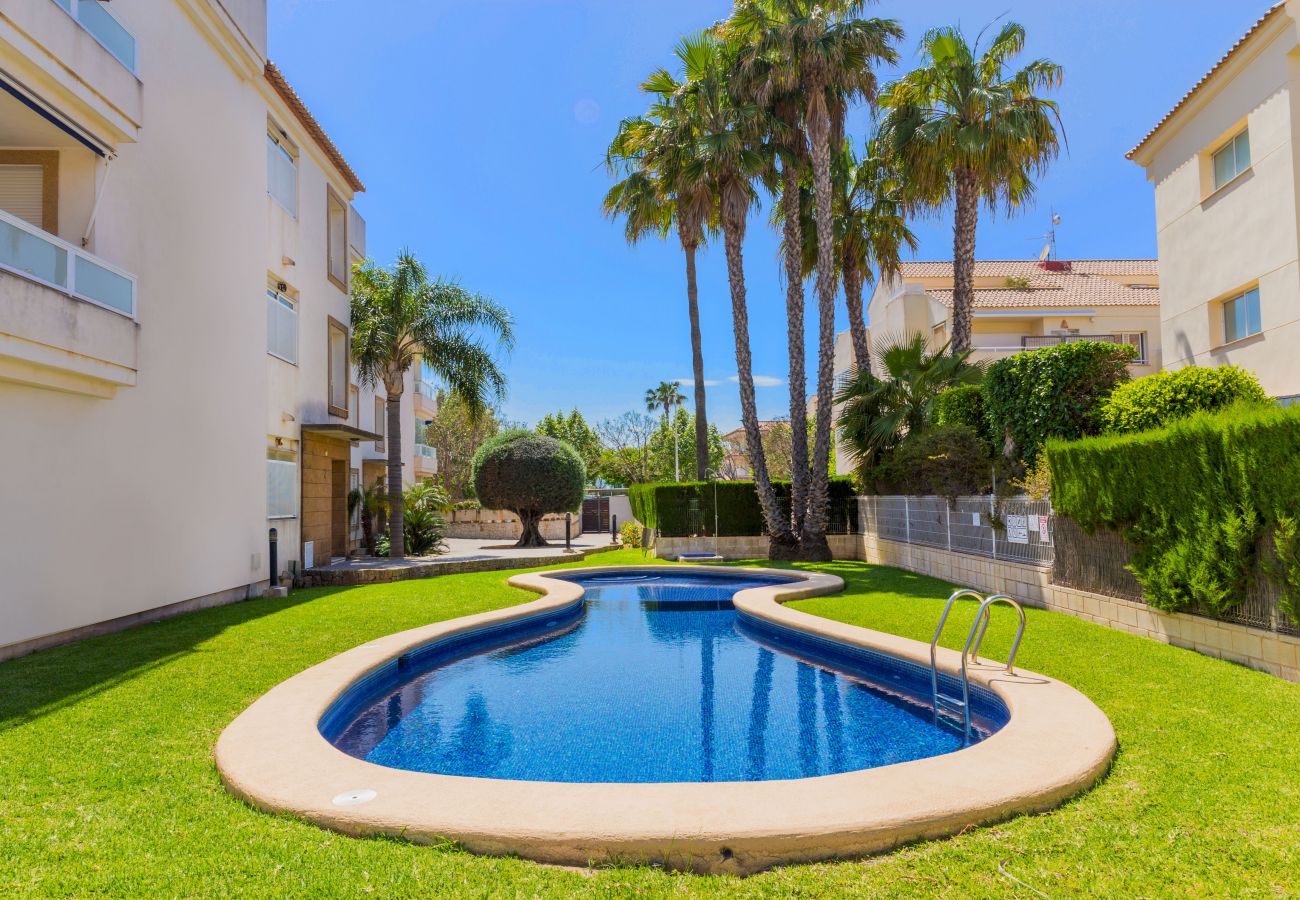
(67, 317)
(1038, 341)
(103, 26)
(426, 460)
(426, 399)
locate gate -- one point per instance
(595, 515)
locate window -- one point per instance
(281, 327)
(1241, 316)
(281, 484)
(1232, 159)
(282, 172)
(338, 368)
(1136, 339)
(381, 414)
(336, 227)
(22, 192)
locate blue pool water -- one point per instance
(655, 678)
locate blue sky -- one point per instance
(480, 128)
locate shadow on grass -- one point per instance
(49, 680)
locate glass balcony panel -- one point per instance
(32, 255)
(107, 30)
(94, 282)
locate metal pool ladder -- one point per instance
(953, 705)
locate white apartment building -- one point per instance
(1224, 165)
(176, 234)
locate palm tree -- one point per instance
(728, 153)
(823, 52)
(400, 317)
(963, 129)
(652, 205)
(880, 410)
(667, 396)
(870, 230)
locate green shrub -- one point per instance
(962, 405)
(944, 461)
(1162, 398)
(679, 509)
(630, 533)
(531, 475)
(1196, 500)
(1055, 392)
(422, 520)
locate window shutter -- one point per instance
(22, 193)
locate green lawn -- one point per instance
(108, 786)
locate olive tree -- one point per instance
(531, 475)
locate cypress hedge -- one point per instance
(678, 509)
(1197, 500)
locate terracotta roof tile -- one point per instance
(1276, 10)
(1030, 268)
(308, 121)
(1072, 291)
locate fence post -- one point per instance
(948, 518)
(993, 530)
(907, 519)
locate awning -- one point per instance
(342, 432)
(23, 95)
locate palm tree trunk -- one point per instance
(813, 545)
(396, 533)
(966, 219)
(794, 307)
(857, 319)
(781, 540)
(697, 369)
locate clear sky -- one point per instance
(479, 129)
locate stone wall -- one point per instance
(1267, 651)
(500, 524)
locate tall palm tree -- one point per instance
(728, 153)
(871, 230)
(963, 129)
(880, 410)
(824, 52)
(651, 204)
(399, 317)
(667, 395)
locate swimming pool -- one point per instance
(654, 677)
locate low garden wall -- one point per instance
(500, 524)
(843, 546)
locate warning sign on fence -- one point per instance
(1018, 529)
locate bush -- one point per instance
(1055, 392)
(631, 533)
(531, 475)
(1197, 500)
(1162, 398)
(962, 405)
(680, 509)
(422, 520)
(944, 461)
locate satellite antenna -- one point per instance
(1049, 248)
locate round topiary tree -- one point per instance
(531, 475)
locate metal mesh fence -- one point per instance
(1012, 528)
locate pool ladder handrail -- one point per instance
(970, 652)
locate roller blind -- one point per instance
(22, 193)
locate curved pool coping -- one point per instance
(1056, 745)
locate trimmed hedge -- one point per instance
(1055, 392)
(1165, 397)
(1196, 500)
(943, 461)
(667, 507)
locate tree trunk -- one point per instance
(781, 540)
(396, 534)
(368, 528)
(697, 369)
(966, 219)
(813, 545)
(857, 319)
(532, 531)
(794, 312)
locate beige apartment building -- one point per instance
(1224, 166)
(176, 233)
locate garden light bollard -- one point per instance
(613, 529)
(568, 525)
(273, 556)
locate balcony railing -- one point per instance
(36, 255)
(426, 390)
(103, 26)
(426, 457)
(1039, 341)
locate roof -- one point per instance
(1032, 268)
(1223, 61)
(308, 121)
(1077, 283)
